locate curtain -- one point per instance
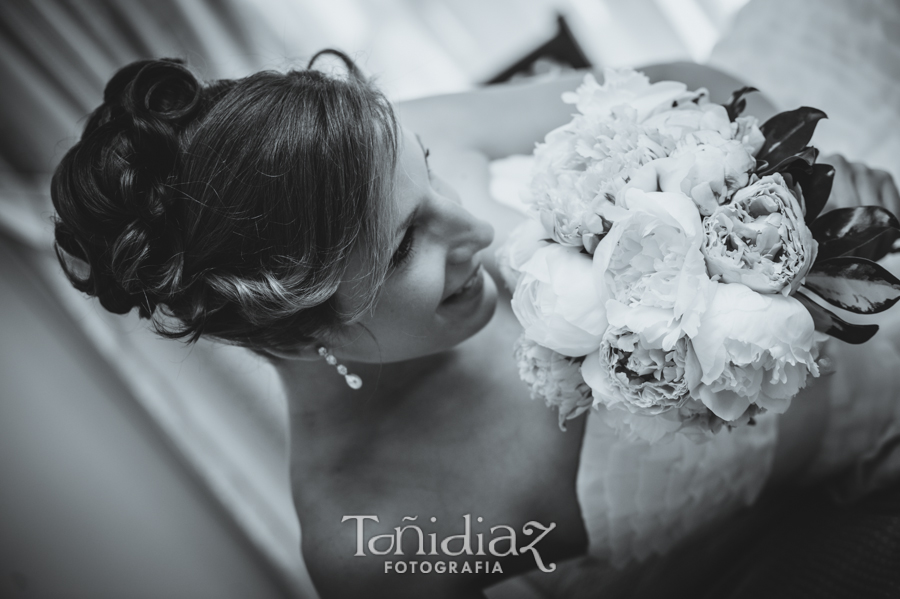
(220, 407)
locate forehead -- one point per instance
(410, 177)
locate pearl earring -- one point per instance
(353, 381)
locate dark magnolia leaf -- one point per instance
(849, 222)
(805, 158)
(873, 244)
(854, 284)
(829, 323)
(787, 133)
(736, 104)
(816, 182)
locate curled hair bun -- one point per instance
(114, 190)
(231, 209)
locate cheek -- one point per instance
(410, 300)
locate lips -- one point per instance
(467, 285)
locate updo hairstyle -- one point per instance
(230, 210)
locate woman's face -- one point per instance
(436, 294)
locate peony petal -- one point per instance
(654, 324)
(739, 314)
(594, 375)
(557, 303)
(661, 93)
(725, 404)
(675, 209)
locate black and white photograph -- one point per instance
(449, 299)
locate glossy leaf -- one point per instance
(737, 103)
(829, 323)
(857, 221)
(854, 284)
(806, 157)
(788, 133)
(816, 182)
(873, 244)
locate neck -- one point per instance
(320, 399)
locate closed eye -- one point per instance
(405, 249)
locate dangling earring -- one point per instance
(353, 381)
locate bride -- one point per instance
(350, 241)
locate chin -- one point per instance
(457, 330)
(485, 310)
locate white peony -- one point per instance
(521, 245)
(651, 258)
(746, 130)
(688, 118)
(554, 378)
(620, 87)
(557, 302)
(583, 164)
(753, 348)
(632, 373)
(760, 239)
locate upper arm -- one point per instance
(498, 120)
(506, 119)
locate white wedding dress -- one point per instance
(638, 499)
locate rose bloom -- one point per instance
(557, 302)
(753, 348)
(629, 372)
(760, 239)
(553, 377)
(651, 258)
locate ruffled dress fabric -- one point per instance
(639, 499)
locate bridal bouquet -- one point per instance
(669, 274)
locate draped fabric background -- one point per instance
(841, 56)
(221, 408)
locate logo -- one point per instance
(501, 541)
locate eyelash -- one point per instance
(404, 250)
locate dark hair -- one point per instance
(230, 210)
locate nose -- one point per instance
(465, 235)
